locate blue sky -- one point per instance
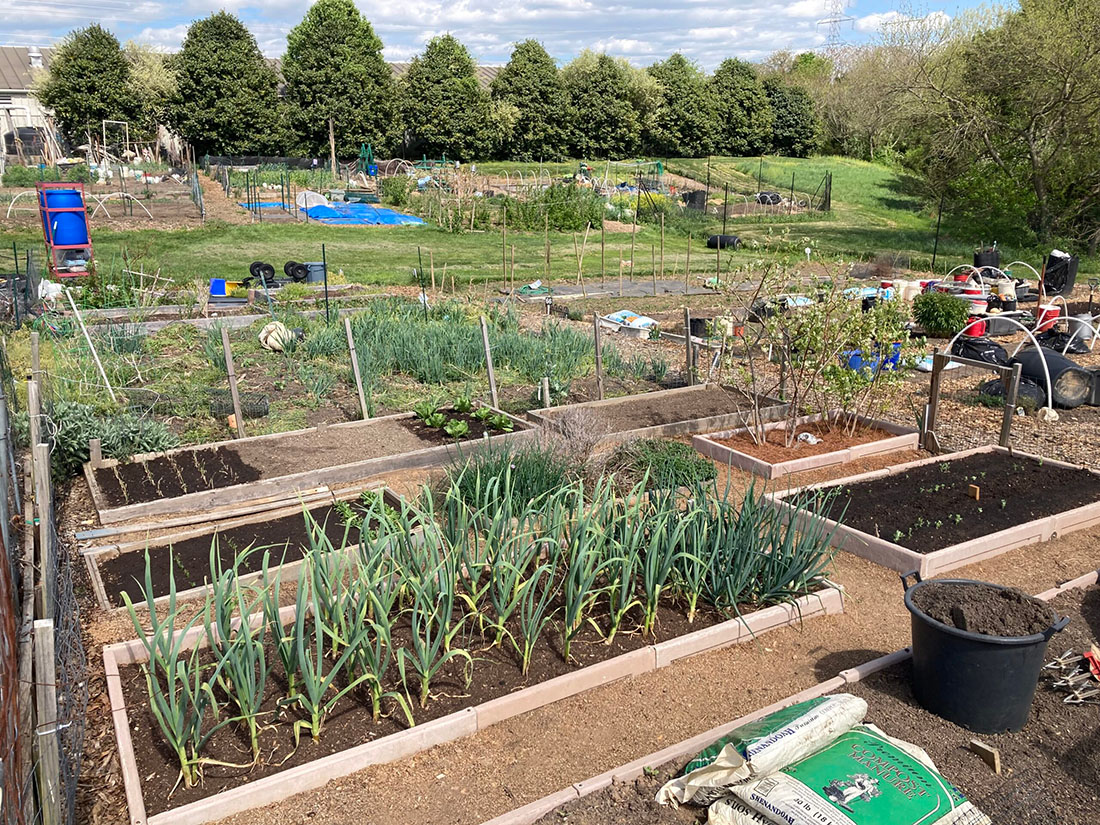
(640, 30)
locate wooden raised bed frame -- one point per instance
(94, 555)
(902, 559)
(534, 811)
(902, 438)
(773, 409)
(396, 746)
(290, 484)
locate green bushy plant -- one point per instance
(670, 464)
(396, 189)
(940, 314)
(122, 434)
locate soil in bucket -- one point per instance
(979, 608)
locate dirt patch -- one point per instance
(651, 411)
(980, 608)
(929, 507)
(1051, 768)
(189, 560)
(168, 476)
(437, 435)
(496, 672)
(629, 803)
(774, 449)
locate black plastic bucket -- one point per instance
(982, 683)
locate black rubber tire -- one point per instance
(288, 268)
(723, 242)
(255, 268)
(299, 273)
(267, 272)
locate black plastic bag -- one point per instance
(980, 349)
(1055, 340)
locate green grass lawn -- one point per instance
(874, 213)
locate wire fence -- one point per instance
(22, 275)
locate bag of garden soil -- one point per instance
(864, 777)
(762, 747)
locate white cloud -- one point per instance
(874, 22)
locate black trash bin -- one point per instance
(983, 683)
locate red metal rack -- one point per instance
(65, 260)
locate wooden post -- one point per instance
(332, 149)
(43, 508)
(687, 347)
(620, 275)
(546, 391)
(1012, 391)
(91, 346)
(687, 266)
(233, 382)
(513, 268)
(546, 231)
(653, 267)
(355, 368)
(489, 363)
(633, 235)
(939, 362)
(504, 246)
(603, 249)
(431, 266)
(599, 355)
(95, 452)
(36, 362)
(49, 755)
(34, 412)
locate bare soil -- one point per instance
(929, 508)
(980, 608)
(1051, 768)
(649, 411)
(774, 449)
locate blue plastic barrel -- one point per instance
(66, 228)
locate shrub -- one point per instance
(122, 435)
(395, 190)
(670, 464)
(940, 314)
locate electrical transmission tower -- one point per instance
(836, 19)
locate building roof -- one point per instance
(15, 67)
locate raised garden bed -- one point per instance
(186, 553)
(207, 476)
(773, 459)
(351, 741)
(667, 412)
(921, 516)
(1052, 767)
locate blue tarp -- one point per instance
(361, 214)
(264, 205)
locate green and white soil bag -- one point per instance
(864, 777)
(762, 747)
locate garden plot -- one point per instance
(940, 513)
(192, 478)
(773, 458)
(666, 412)
(388, 636)
(186, 555)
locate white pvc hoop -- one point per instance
(17, 197)
(1027, 332)
(1081, 323)
(121, 196)
(1022, 263)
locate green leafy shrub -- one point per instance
(670, 464)
(122, 434)
(567, 207)
(395, 190)
(940, 314)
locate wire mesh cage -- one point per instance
(253, 404)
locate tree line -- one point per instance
(223, 97)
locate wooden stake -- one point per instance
(603, 271)
(489, 363)
(687, 346)
(49, 755)
(633, 235)
(91, 346)
(620, 276)
(95, 452)
(34, 411)
(233, 383)
(355, 368)
(988, 754)
(939, 361)
(36, 363)
(653, 267)
(599, 355)
(504, 246)
(974, 491)
(662, 244)
(332, 149)
(1012, 392)
(44, 508)
(547, 236)
(545, 391)
(431, 266)
(513, 268)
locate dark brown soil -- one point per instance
(287, 538)
(496, 672)
(928, 508)
(648, 411)
(174, 475)
(229, 464)
(436, 435)
(1050, 773)
(1050, 768)
(980, 608)
(833, 437)
(628, 804)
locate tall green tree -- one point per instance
(795, 129)
(152, 85)
(685, 122)
(533, 86)
(88, 82)
(334, 68)
(226, 100)
(444, 108)
(744, 113)
(606, 121)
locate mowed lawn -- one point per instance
(875, 213)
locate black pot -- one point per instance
(982, 683)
